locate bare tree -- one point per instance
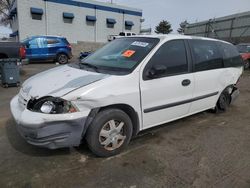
(5, 7)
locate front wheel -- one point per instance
(109, 133)
(62, 58)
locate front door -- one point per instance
(36, 49)
(167, 85)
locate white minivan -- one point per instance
(129, 85)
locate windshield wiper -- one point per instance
(91, 66)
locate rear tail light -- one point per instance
(69, 46)
(22, 52)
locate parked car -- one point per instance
(48, 48)
(12, 50)
(121, 34)
(84, 54)
(129, 85)
(244, 50)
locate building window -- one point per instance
(68, 17)
(129, 25)
(90, 20)
(36, 13)
(14, 34)
(13, 13)
(110, 22)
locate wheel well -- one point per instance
(130, 112)
(62, 53)
(229, 89)
(2, 56)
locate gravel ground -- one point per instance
(204, 150)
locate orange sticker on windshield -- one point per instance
(128, 53)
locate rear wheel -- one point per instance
(109, 133)
(62, 58)
(223, 102)
(246, 64)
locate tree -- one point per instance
(182, 27)
(164, 27)
(5, 7)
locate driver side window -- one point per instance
(171, 57)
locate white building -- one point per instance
(78, 20)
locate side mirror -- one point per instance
(156, 71)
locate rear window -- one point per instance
(206, 54)
(65, 41)
(231, 55)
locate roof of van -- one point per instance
(177, 36)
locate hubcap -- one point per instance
(62, 59)
(112, 135)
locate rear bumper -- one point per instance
(235, 94)
(70, 55)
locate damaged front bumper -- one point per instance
(49, 130)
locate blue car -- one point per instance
(48, 48)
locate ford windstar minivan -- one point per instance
(129, 85)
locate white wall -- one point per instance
(27, 26)
(52, 22)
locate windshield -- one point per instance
(243, 48)
(121, 55)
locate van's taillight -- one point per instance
(69, 46)
(22, 52)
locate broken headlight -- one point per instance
(51, 105)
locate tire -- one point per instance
(246, 64)
(109, 133)
(62, 58)
(223, 102)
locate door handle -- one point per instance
(186, 82)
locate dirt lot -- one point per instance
(204, 150)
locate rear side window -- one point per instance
(231, 55)
(206, 54)
(52, 41)
(65, 41)
(172, 55)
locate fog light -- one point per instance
(47, 107)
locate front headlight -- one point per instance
(48, 107)
(51, 105)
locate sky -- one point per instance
(176, 11)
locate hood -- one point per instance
(59, 81)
